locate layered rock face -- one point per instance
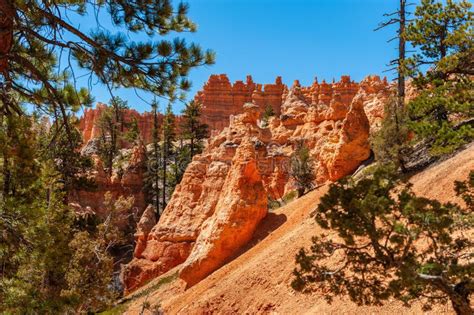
(89, 129)
(221, 99)
(223, 195)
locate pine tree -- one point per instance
(443, 111)
(36, 34)
(302, 169)
(153, 175)
(269, 112)
(192, 128)
(389, 142)
(112, 125)
(64, 150)
(394, 110)
(389, 244)
(169, 136)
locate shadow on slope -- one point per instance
(270, 223)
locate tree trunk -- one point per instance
(165, 157)
(401, 77)
(7, 14)
(401, 55)
(155, 170)
(461, 303)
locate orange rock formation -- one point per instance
(245, 164)
(220, 98)
(89, 129)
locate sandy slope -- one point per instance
(258, 280)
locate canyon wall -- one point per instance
(89, 120)
(224, 191)
(220, 99)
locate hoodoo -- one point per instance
(195, 226)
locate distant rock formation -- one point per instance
(221, 99)
(88, 122)
(223, 194)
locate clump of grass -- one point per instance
(122, 305)
(286, 199)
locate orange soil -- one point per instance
(258, 281)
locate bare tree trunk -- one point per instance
(156, 156)
(401, 55)
(401, 76)
(165, 157)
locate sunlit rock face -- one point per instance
(223, 195)
(220, 98)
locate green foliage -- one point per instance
(443, 114)
(18, 146)
(269, 112)
(112, 126)
(42, 34)
(192, 129)
(91, 266)
(389, 142)
(133, 132)
(56, 145)
(443, 33)
(152, 176)
(389, 243)
(35, 255)
(443, 110)
(466, 190)
(286, 199)
(48, 255)
(169, 137)
(302, 170)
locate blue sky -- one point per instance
(297, 39)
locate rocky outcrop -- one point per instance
(221, 99)
(241, 206)
(212, 212)
(144, 227)
(89, 127)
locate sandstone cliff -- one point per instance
(220, 98)
(198, 225)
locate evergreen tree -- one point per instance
(443, 110)
(269, 112)
(393, 127)
(169, 136)
(192, 129)
(302, 169)
(64, 150)
(153, 175)
(90, 271)
(181, 159)
(39, 243)
(111, 125)
(36, 34)
(389, 243)
(389, 142)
